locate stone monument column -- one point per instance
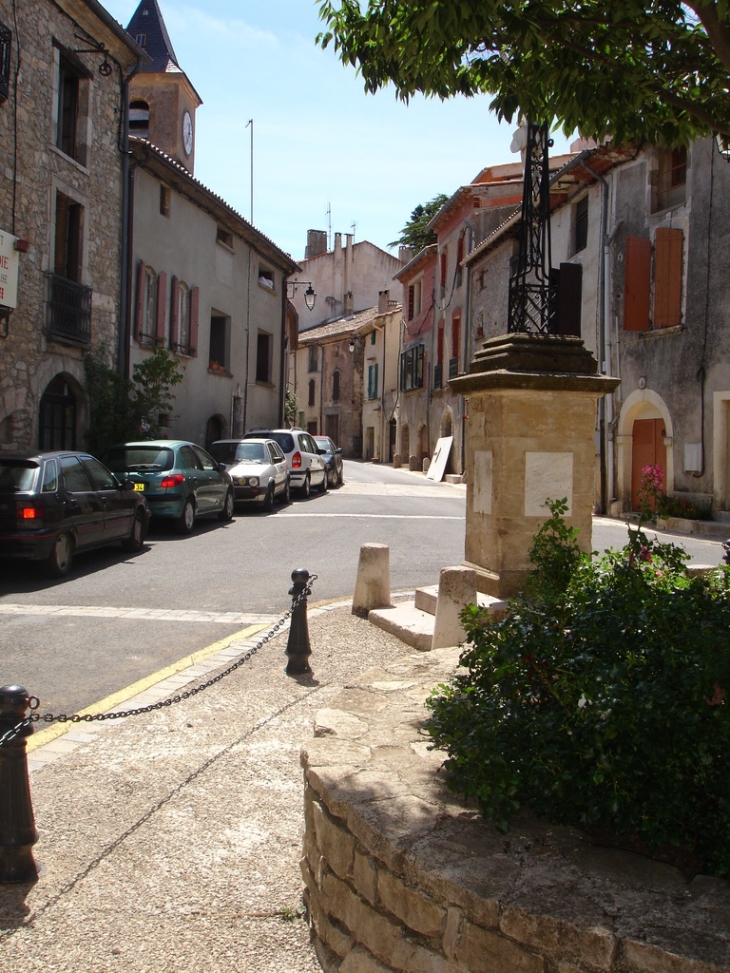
(530, 437)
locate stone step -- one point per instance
(427, 597)
(406, 622)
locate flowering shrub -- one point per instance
(600, 699)
(654, 502)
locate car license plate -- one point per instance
(139, 487)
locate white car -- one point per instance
(307, 469)
(258, 470)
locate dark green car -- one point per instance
(179, 480)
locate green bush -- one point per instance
(600, 699)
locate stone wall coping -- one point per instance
(393, 857)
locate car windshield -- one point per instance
(139, 459)
(252, 453)
(323, 444)
(17, 474)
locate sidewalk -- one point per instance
(171, 841)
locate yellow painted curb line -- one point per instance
(56, 730)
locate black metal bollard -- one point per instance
(298, 649)
(17, 826)
(726, 548)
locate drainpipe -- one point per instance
(604, 425)
(124, 330)
(466, 340)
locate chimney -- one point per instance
(383, 299)
(405, 254)
(316, 243)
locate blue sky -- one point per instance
(319, 141)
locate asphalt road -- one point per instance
(119, 618)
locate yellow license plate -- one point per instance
(139, 487)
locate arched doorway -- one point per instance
(57, 416)
(213, 431)
(644, 437)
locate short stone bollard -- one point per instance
(17, 825)
(372, 587)
(457, 588)
(298, 649)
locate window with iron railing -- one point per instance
(453, 367)
(69, 307)
(411, 368)
(5, 39)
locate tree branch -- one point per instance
(716, 30)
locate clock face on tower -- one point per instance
(187, 128)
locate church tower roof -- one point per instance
(147, 27)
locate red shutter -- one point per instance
(174, 313)
(141, 293)
(194, 311)
(668, 254)
(161, 308)
(637, 284)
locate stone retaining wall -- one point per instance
(401, 876)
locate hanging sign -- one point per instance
(8, 270)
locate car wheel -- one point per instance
(304, 489)
(340, 478)
(227, 511)
(184, 523)
(324, 485)
(61, 557)
(135, 541)
(268, 504)
(286, 493)
(332, 477)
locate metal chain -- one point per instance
(179, 697)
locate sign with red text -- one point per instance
(8, 270)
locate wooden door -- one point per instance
(647, 449)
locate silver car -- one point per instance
(258, 469)
(306, 467)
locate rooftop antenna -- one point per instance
(329, 226)
(353, 227)
(250, 122)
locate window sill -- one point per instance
(265, 385)
(68, 158)
(269, 290)
(657, 332)
(221, 372)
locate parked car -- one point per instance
(258, 469)
(306, 467)
(179, 480)
(332, 456)
(54, 505)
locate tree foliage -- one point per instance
(122, 409)
(631, 69)
(415, 234)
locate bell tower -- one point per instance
(162, 101)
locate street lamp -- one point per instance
(310, 297)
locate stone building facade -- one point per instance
(62, 72)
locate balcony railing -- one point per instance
(70, 310)
(453, 367)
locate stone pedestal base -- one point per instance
(530, 438)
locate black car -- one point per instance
(332, 456)
(56, 504)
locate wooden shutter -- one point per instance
(175, 313)
(161, 308)
(637, 284)
(570, 298)
(141, 294)
(668, 258)
(194, 312)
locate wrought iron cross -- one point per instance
(533, 286)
